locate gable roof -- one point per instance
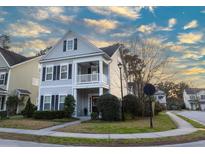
(193, 90)
(110, 50)
(12, 58)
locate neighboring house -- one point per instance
(160, 97)
(194, 98)
(19, 76)
(77, 67)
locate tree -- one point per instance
(5, 41)
(69, 106)
(144, 61)
(29, 109)
(43, 52)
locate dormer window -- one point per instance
(70, 45)
(2, 78)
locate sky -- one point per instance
(180, 29)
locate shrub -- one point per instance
(69, 106)
(94, 116)
(12, 103)
(49, 114)
(3, 114)
(157, 107)
(131, 105)
(173, 104)
(109, 106)
(29, 109)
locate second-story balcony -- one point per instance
(89, 72)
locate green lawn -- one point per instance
(192, 122)
(29, 123)
(162, 122)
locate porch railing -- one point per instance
(87, 78)
(90, 78)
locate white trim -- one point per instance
(64, 64)
(8, 79)
(46, 73)
(44, 101)
(5, 60)
(90, 103)
(59, 99)
(54, 86)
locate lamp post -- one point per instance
(122, 106)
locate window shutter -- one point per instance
(64, 46)
(41, 103)
(6, 78)
(54, 72)
(2, 103)
(44, 74)
(56, 103)
(52, 102)
(70, 71)
(58, 72)
(75, 44)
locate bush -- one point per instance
(49, 114)
(173, 104)
(158, 108)
(94, 116)
(3, 114)
(12, 103)
(131, 105)
(109, 106)
(69, 106)
(29, 109)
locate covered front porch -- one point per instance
(86, 99)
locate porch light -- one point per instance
(119, 65)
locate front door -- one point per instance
(94, 104)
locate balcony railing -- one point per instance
(87, 78)
(91, 78)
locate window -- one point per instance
(49, 73)
(160, 97)
(64, 71)
(61, 102)
(47, 102)
(70, 71)
(70, 45)
(202, 96)
(2, 78)
(1, 103)
(192, 97)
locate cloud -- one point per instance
(101, 43)
(1, 20)
(127, 12)
(203, 11)
(172, 22)
(101, 25)
(195, 70)
(191, 25)
(50, 13)
(27, 29)
(146, 28)
(122, 34)
(31, 47)
(190, 38)
(175, 47)
(192, 55)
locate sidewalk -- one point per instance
(183, 129)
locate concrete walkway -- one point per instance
(183, 129)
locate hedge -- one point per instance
(49, 114)
(3, 114)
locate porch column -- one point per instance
(76, 101)
(100, 71)
(75, 72)
(100, 91)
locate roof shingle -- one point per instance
(110, 50)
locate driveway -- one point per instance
(195, 115)
(15, 143)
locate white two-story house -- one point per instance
(77, 67)
(194, 98)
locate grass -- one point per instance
(29, 123)
(162, 122)
(192, 122)
(199, 135)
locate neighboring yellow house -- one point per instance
(19, 76)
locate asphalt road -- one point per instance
(195, 115)
(191, 144)
(15, 143)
